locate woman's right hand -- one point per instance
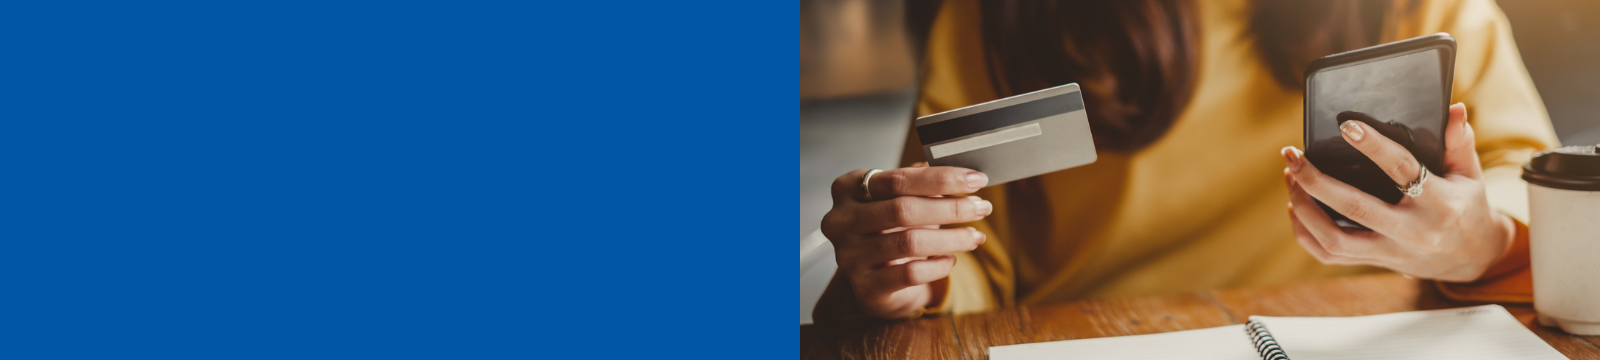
(891, 247)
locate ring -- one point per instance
(1414, 189)
(865, 192)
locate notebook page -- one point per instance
(1480, 332)
(1218, 343)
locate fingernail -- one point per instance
(976, 180)
(976, 235)
(983, 206)
(1352, 131)
(1291, 155)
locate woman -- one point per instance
(1191, 105)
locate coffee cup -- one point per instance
(1564, 237)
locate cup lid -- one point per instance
(1568, 167)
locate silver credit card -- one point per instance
(1012, 138)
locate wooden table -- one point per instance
(969, 336)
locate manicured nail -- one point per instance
(983, 206)
(1292, 156)
(1352, 131)
(976, 180)
(976, 235)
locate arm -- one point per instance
(1510, 122)
(1467, 229)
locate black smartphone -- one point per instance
(1402, 89)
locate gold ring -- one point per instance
(865, 192)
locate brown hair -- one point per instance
(1136, 59)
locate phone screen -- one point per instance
(1403, 97)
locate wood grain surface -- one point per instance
(1085, 319)
(970, 336)
(930, 338)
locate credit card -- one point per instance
(1012, 138)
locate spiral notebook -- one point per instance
(1480, 332)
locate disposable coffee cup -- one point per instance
(1564, 237)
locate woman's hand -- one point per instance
(891, 247)
(1448, 233)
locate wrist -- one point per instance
(1506, 234)
(1516, 255)
(1501, 236)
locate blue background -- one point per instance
(397, 179)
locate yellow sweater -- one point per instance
(1203, 207)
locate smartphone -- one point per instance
(1402, 89)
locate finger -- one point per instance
(1303, 236)
(1309, 242)
(926, 181)
(913, 211)
(1460, 148)
(1353, 203)
(847, 187)
(922, 243)
(912, 273)
(1305, 209)
(1354, 246)
(917, 180)
(1395, 160)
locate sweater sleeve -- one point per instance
(1509, 280)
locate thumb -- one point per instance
(1460, 150)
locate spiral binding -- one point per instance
(1265, 344)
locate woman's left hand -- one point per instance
(1448, 233)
